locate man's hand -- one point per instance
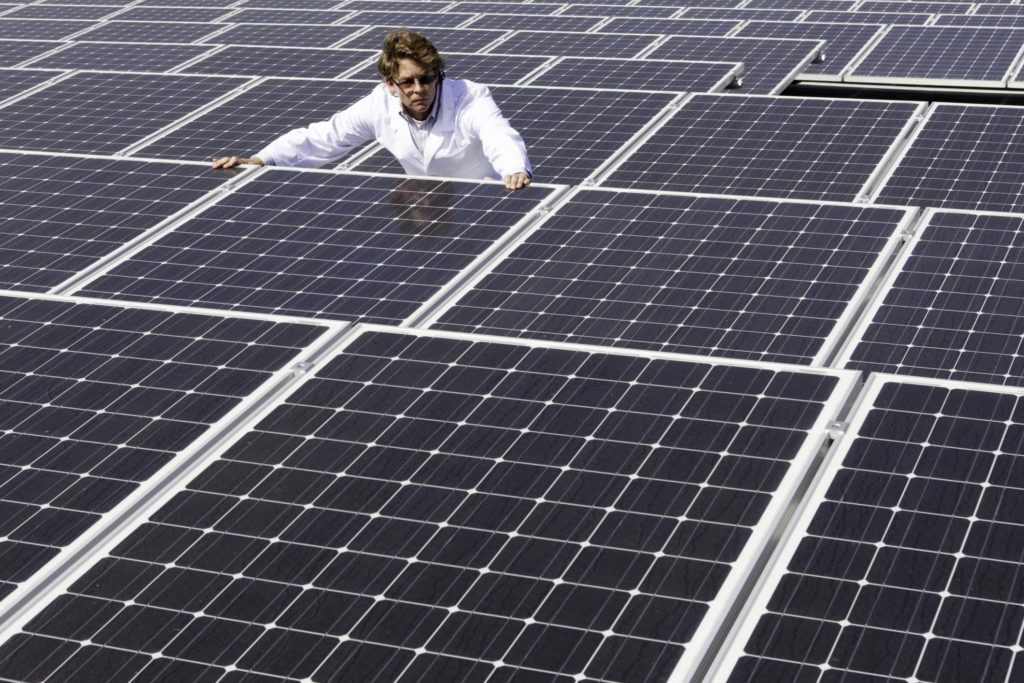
(516, 181)
(231, 162)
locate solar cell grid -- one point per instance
(992, 20)
(967, 56)
(490, 69)
(684, 26)
(526, 21)
(61, 12)
(96, 399)
(227, 4)
(62, 214)
(996, 9)
(569, 132)
(718, 276)
(766, 13)
(908, 18)
(260, 114)
(322, 245)
(287, 16)
(953, 308)
(31, 29)
(961, 157)
(396, 19)
(769, 64)
(613, 11)
(648, 74)
(401, 5)
(14, 82)
(532, 7)
(149, 32)
(843, 42)
(907, 564)
(558, 538)
(284, 35)
(103, 113)
(461, 39)
(916, 6)
(195, 14)
(299, 62)
(14, 52)
(841, 5)
(772, 147)
(286, 4)
(120, 56)
(556, 44)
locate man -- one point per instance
(433, 126)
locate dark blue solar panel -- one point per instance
(992, 20)
(747, 14)
(31, 29)
(326, 245)
(715, 276)
(685, 26)
(766, 146)
(396, 19)
(636, 74)
(149, 32)
(490, 69)
(121, 56)
(769, 64)
(910, 16)
(449, 510)
(569, 132)
(528, 21)
(287, 16)
(915, 6)
(96, 399)
(284, 35)
(294, 62)
(61, 215)
(195, 14)
(963, 157)
(13, 52)
(964, 55)
(235, 128)
(445, 39)
(843, 42)
(61, 12)
(954, 309)
(576, 44)
(16, 81)
(908, 566)
(103, 113)
(607, 10)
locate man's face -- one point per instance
(408, 84)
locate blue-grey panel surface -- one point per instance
(490, 69)
(31, 29)
(576, 44)
(149, 32)
(636, 74)
(121, 56)
(284, 35)
(791, 147)
(683, 26)
(295, 62)
(843, 42)
(447, 40)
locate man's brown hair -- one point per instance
(405, 44)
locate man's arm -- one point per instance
(319, 143)
(502, 144)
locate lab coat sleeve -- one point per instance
(501, 142)
(325, 141)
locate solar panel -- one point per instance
(324, 245)
(946, 55)
(396, 19)
(843, 42)
(961, 157)
(149, 32)
(284, 35)
(533, 7)
(97, 399)
(684, 26)
(648, 74)
(909, 18)
(63, 214)
(234, 128)
(569, 132)
(751, 14)
(14, 82)
(609, 10)
(461, 39)
(61, 12)
(555, 44)
(287, 16)
(103, 113)
(196, 3)
(440, 508)
(120, 56)
(801, 4)
(907, 566)
(528, 21)
(481, 68)
(993, 20)
(13, 52)
(196, 14)
(952, 309)
(298, 62)
(793, 148)
(32, 29)
(769, 64)
(718, 276)
(399, 5)
(916, 5)
(1004, 10)
(277, 4)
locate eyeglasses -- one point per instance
(426, 80)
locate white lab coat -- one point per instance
(469, 139)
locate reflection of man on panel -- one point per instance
(433, 127)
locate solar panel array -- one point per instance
(341, 424)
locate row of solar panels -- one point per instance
(857, 53)
(413, 505)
